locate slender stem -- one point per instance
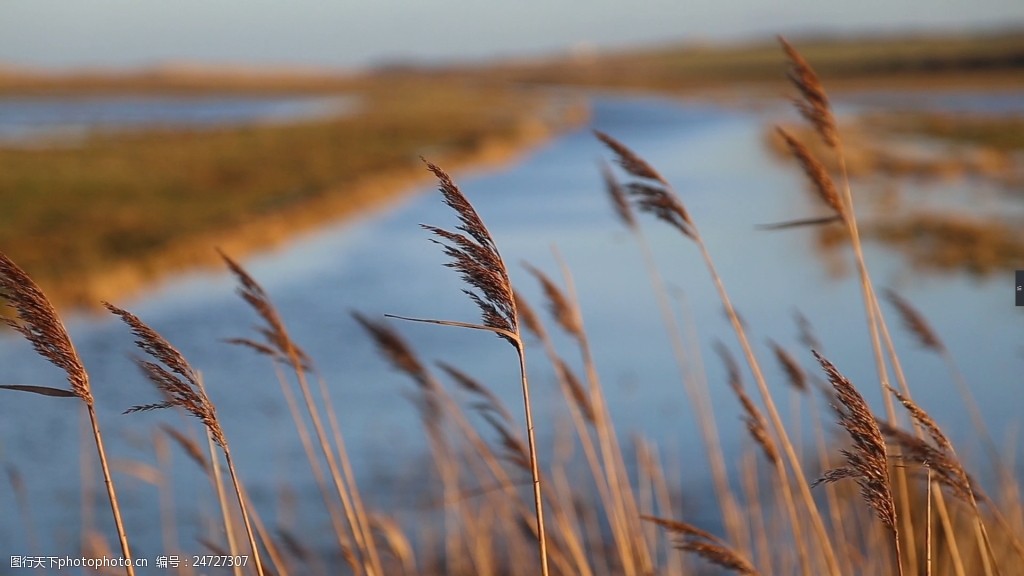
(111, 494)
(899, 555)
(697, 391)
(222, 499)
(542, 544)
(780, 430)
(876, 325)
(314, 463)
(928, 527)
(957, 561)
(245, 513)
(349, 477)
(358, 532)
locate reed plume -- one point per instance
(660, 200)
(794, 373)
(757, 426)
(182, 388)
(814, 107)
(474, 255)
(915, 322)
(38, 322)
(279, 346)
(706, 545)
(867, 461)
(815, 171)
(618, 197)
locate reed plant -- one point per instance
(598, 508)
(38, 322)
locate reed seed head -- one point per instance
(475, 256)
(706, 545)
(630, 161)
(558, 303)
(652, 193)
(618, 197)
(38, 322)
(279, 344)
(815, 171)
(867, 461)
(756, 423)
(173, 376)
(794, 373)
(814, 106)
(915, 322)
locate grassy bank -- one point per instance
(122, 208)
(890, 62)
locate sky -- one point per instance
(346, 34)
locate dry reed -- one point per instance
(279, 345)
(38, 322)
(473, 253)
(182, 388)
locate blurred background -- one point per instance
(137, 137)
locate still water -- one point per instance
(62, 119)
(384, 263)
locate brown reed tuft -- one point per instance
(477, 260)
(630, 161)
(398, 352)
(806, 331)
(656, 198)
(182, 387)
(867, 461)
(945, 468)
(815, 106)
(794, 373)
(528, 316)
(187, 444)
(946, 462)
(757, 426)
(579, 394)
(814, 170)
(706, 545)
(466, 382)
(514, 450)
(720, 555)
(564, 313)
(176, 379)
(618, 197)
(39, 323)
(915, 322)
(480, 265)
(663, 204)
(279, 344)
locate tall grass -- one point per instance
(510, 506)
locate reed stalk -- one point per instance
(183, 388)
(480, 265)
(38, 322)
